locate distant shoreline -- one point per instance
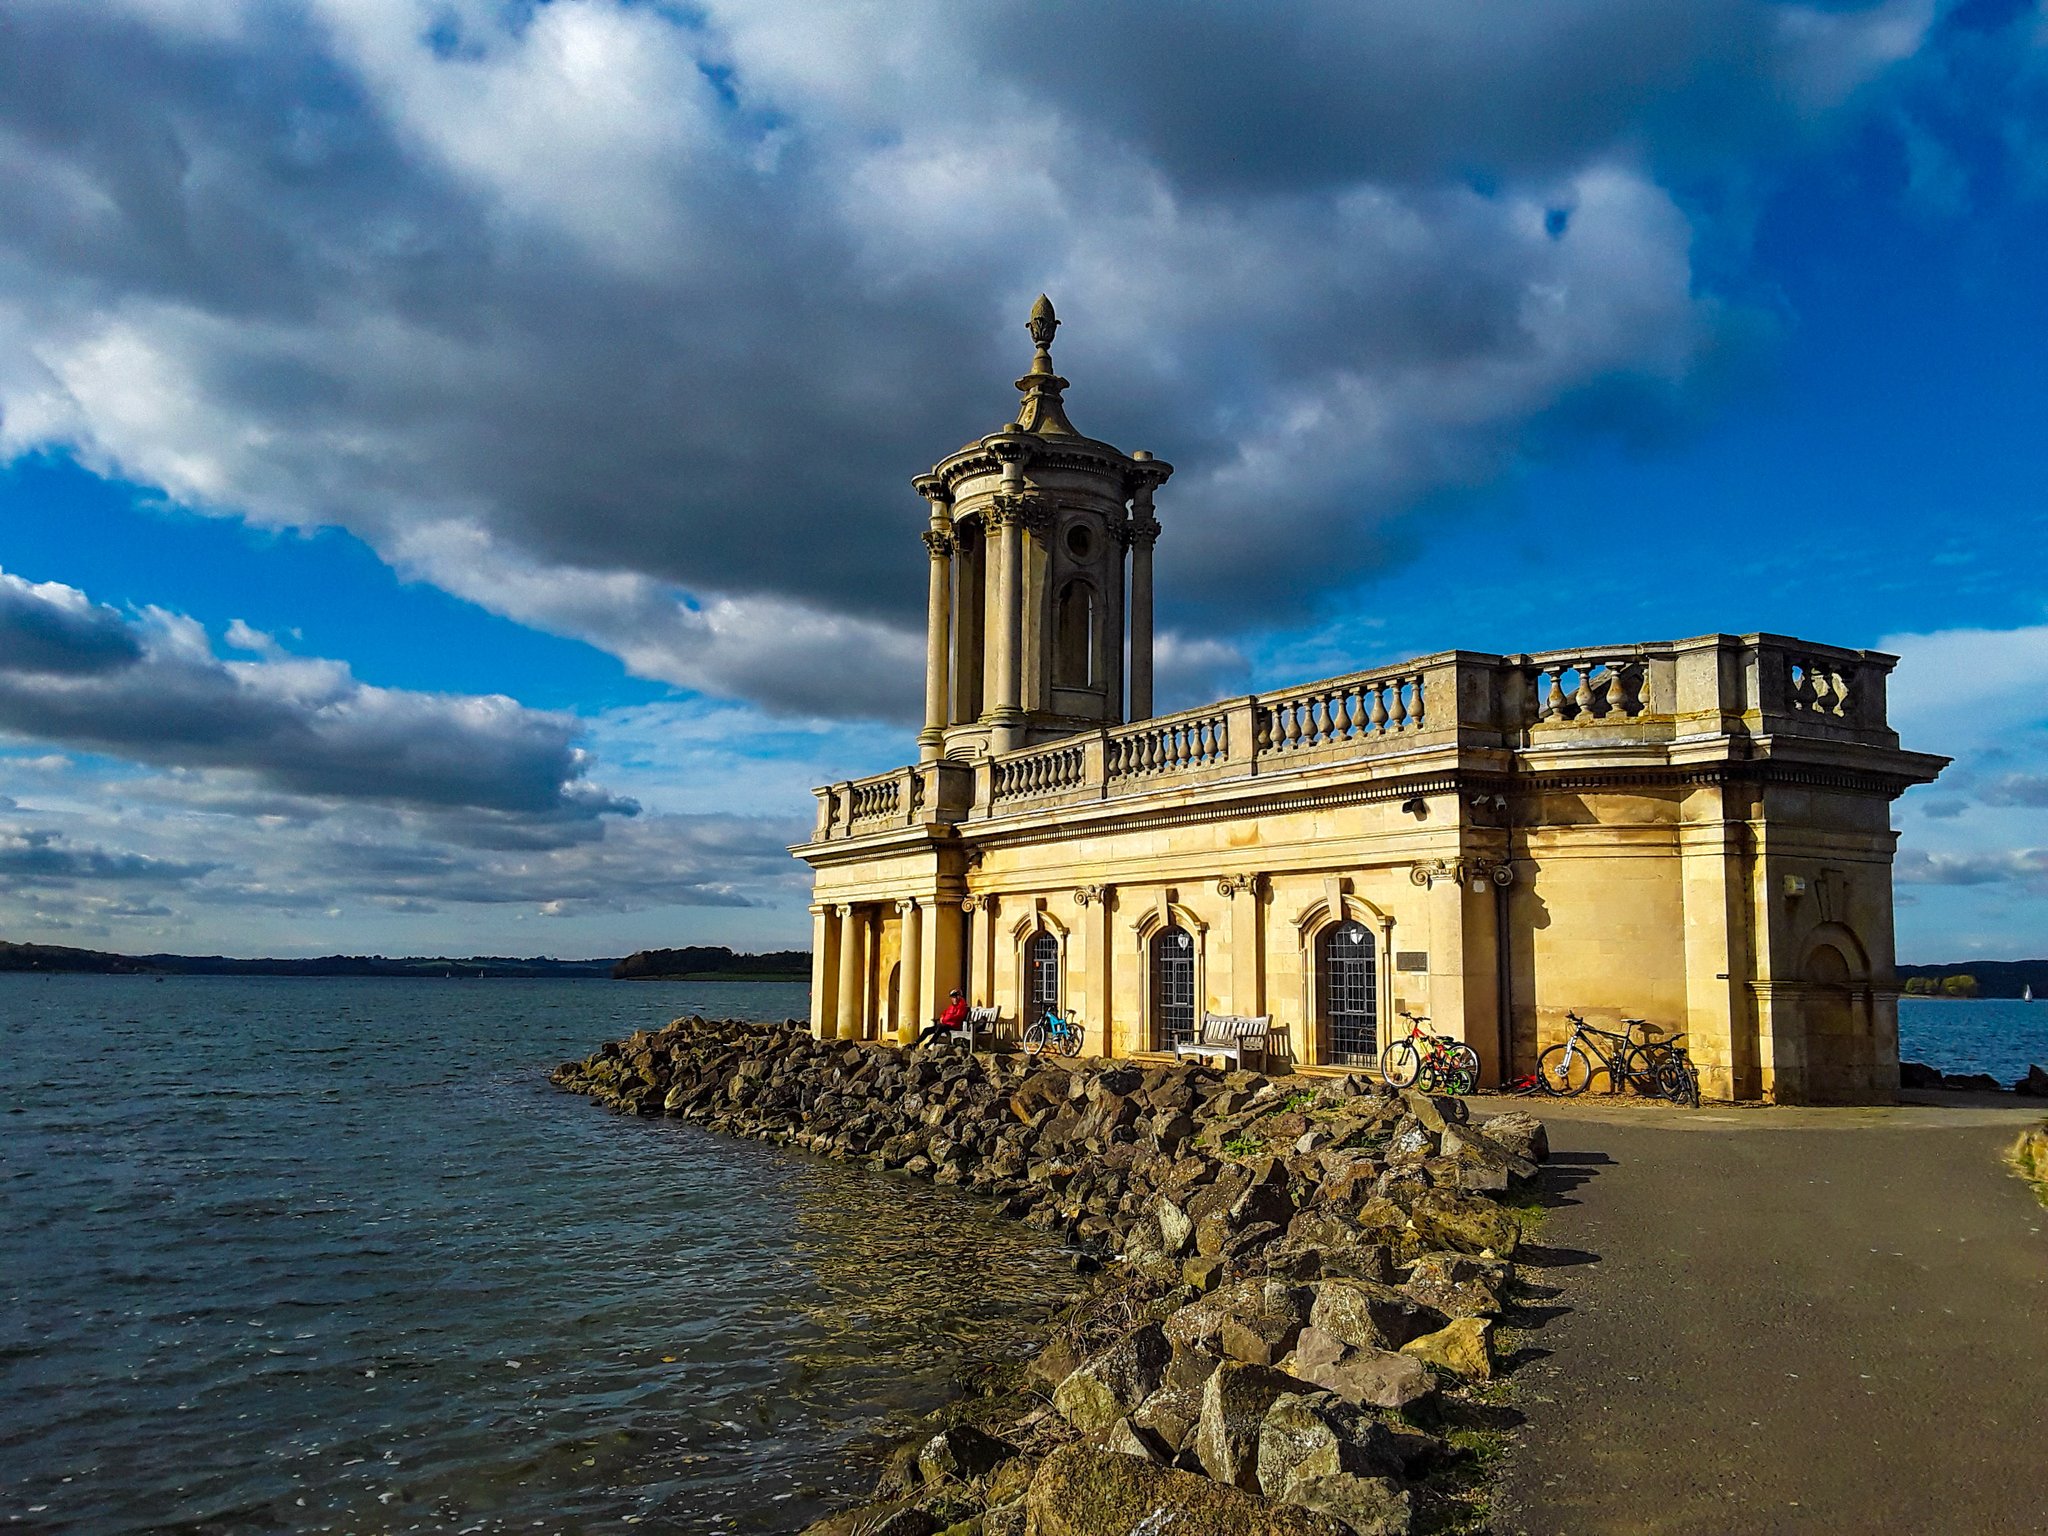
(713, 963)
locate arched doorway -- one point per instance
(1041, 975)
(1173, 987)
(892, 990)
(1347, 986)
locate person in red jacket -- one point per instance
(955, 1017)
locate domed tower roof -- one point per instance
(1030, 532)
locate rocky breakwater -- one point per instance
(1301, 1283)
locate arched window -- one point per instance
(1042, 975)
(1073, 628)
(1173, 986)
(1347, 973)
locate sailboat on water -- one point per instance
(2027, 996)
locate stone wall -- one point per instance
(1301, 1281)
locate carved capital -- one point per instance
(1477, 871)
(982, 901)
(1141, 531)
(907, 905)
(933, 490)
(1022, 508)
(1233, 885)
(1089, 895)
(939, 543)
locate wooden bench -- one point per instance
(980, 1028)
(1227, 1034)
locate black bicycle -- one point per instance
(1658, 1068)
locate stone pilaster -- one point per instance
(1143, 531)
(852, 972)
(909, 974)
(931, 741)
(1006, 521)
(824, 978)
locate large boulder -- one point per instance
(1464, 1347)
(1084, 1491)
(1172, 1413)
(1176, 1228)
(1367, 1315)
(1459, 1285)
(1377, 1378)
(1235, 1401)
(961, 1454)
(891, 1518)
(2035, 1084)
(1519, 1132)
(1254, 1309)
(1445, 1218)
(1315, 1435)
(1368, 1506)
(1917, 1074)
(1102, 1390)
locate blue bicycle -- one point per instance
(1052, 1032)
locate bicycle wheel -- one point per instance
(1464, 1056)
(1678, 1083)
(1564, 1070)
(1639, 1072)
(1456, 1077)
(1034, 1039)
(1070, 1042)
(1401, 1065)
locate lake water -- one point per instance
(2001, 1036)
(312, 1255)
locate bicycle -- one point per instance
(1444, 1064)
(1658, 1069)
(1673, 1074)
(1054, 1032)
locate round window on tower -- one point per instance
(1080, 542)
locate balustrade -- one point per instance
(1342, 712)
(1822, 686)
(1582, 689)
(1045, 771)
(1171, 745)
(1459, 700)
(871, 799)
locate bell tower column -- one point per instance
(1144, 532)
(1005, 519)
(938, 637)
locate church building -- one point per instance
(1692, 832)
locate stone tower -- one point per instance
(1030, 609)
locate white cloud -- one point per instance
(633, 323)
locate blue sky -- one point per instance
(457, 454)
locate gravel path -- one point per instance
(1799, 1320)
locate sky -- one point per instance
(455, 455)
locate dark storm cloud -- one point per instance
(633, 325)
(32, 855)
(52, 629)
(304, 727)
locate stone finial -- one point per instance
(1041, 325)
(1043, 412)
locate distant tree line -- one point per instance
(1941, 986)
(710, 962)
(1978, 978)
(50, 958)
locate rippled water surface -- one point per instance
(1996, 1035)
(331, 1256)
